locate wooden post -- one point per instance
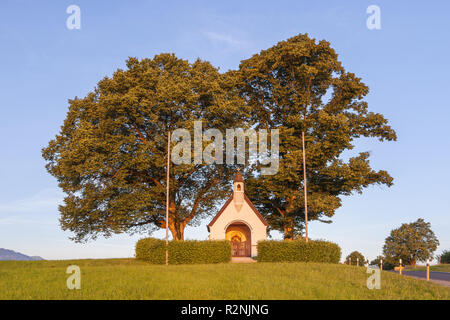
(381, 265)
(167, 199)
(400, 267)
(304, 186)
(428, 270)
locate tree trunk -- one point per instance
(177, 230)
(413, 262)
(288, 230)
(176, 227)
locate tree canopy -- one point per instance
(411, 242)
(110, 156)
(296, 86)
(355, 257)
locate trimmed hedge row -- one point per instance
(151, 250)
(183, 252)
(298, 250)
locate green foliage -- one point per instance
(183, 252)
(298, 250)
(411, 242)
(445, 257)
(300, 86)
(195, 252)
(356, 255)
(151, 250)
(387, 264)
(110, 155)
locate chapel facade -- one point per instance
(239, 222)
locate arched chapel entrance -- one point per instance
(239, 235)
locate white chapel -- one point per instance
(240, 222)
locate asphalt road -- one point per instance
(435, 275)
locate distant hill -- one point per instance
(6, 254)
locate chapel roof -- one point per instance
(238, 178)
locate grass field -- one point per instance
(440, 268)
(131, 279)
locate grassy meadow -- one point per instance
(439, 268)
(132, 279)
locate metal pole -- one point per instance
(167, 199)
(304, 186)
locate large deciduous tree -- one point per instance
(411, 242)
(110, 156)
(300, 86)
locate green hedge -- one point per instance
(151, 250)
(298, 250)
(183, 252)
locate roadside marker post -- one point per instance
(428, 270)
(381, 265)
(357, 262)
(400, 268)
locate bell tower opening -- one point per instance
(238, 194)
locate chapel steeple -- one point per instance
(238, 191)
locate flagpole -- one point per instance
(167, 199)
(304, 186)
(304, 163)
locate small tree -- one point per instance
(387, 263)
(377, 261)
(411, 242)
(354, 256)
(445, 257)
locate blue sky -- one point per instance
(405, 64)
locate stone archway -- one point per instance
(240, 236)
